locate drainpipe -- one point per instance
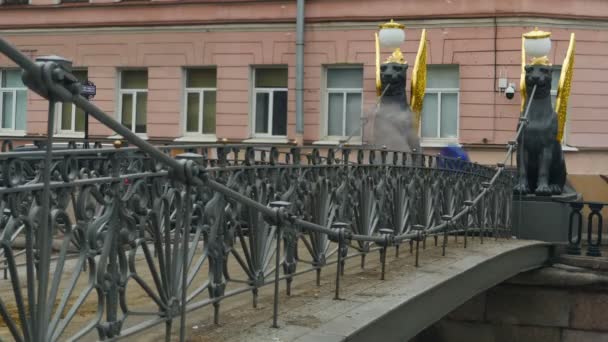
(300, 68)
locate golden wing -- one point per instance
(378, 81)
(522, 80)
(563, 89)
(419, 80)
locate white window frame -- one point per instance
(132, 92)
(201, 102)
(438, 141)
(13, 91)
(344, 91)
(271, 92)
(58, 116)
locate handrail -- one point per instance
(54, 83)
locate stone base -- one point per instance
(551, 304)
(542, 218)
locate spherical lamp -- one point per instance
(391, 35)
(537, 43)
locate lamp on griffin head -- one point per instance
(537, 45)
(391, 35)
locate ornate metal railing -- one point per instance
(595, 226)
(84, 231)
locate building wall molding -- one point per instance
(325, 26)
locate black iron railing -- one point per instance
(84, 231)
(595, 222)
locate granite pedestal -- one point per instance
(543, 218)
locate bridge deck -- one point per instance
(396, 309)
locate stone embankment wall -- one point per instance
(555, 304)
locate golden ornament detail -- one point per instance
(563, 89)
(418, 85)
(544, 60)
(396, 57)
(391, 24)
(537, 34)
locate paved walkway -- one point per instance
(394, 309)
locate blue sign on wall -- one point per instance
(88, 89)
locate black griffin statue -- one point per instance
(540, 159)
(393, 125)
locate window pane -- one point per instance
(127, 110)
(279, 113)
(335, 112)
(7, 110)
(134, 79)
(12, 79)
(209, 112)
(192, 111)
(271, 77)
(555, 74)
(449, 115)
(66, 116)
(442, 76)
(80, 74)
(140, 110)
(345, 78)
(21, 110)
(201, 78)
(261, 112)
(79, 120)
(353, 114)
(429, 116)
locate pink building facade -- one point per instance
(204, 71)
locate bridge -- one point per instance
(127, 241)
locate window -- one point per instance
(440, 107)
(270, 102)
(13, 101)
(344, 101)
(133, 99)
(16, 2)
(555, 74)
(200, 101)
(70, 119)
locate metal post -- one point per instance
(340, 228)
(484, 208)
(469, 205)
(419, 236)
(44, 234)
(339, 264)
(593, 248)
(574, 243)
(89, 90)
(86, 130)
(275, 311)
(278, 206)
(185, 241)
(448, 220)
(386, 233)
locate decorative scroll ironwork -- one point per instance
(186, 233)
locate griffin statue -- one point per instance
(540, 160)
(396, 122)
